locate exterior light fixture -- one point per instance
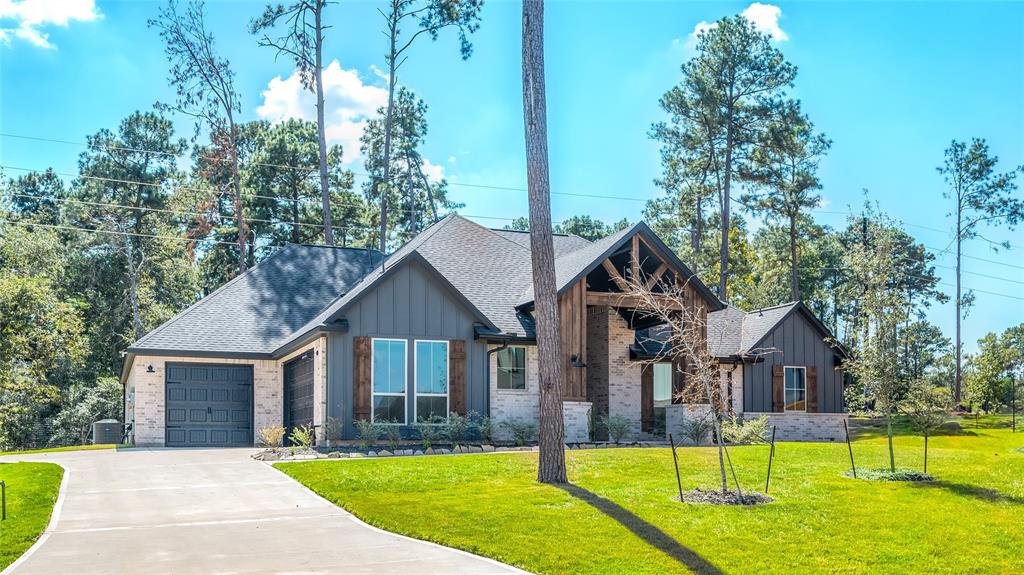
(577, 362)
(150, 369)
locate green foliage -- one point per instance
(430, 430)
(926, 407)
(484, 426)
(369, 431)
(589, 228)
(301, 436)
(696, 428)
(890, 475)
(393, 433)
(81, 405)
(456, 428)
(521, 430)
(741, 430)
(618, 427)
(991, 371)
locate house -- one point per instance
(328, 336)
(781, 362)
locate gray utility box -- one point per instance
(106, 432)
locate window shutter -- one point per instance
(362, 362)
(812, 389)
(778, 388)
(647, 398)
(457, 376)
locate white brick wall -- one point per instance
(577, 421)
(795, 426)
(623, 374)
(146, 391)
(676, 413)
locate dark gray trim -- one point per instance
(200, 353)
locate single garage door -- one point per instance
(208, 405)
(298, 391)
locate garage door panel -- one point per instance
(209, 406)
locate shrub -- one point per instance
(393, 433)
(696, 428)
(521, 431)
(301, 436)
(737, 430)
(484, 426)
(332, 429)
(618, 427)
(368, 431)
(81, 405)
(430, 430)
(456, 428)
(272, 436)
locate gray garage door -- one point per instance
(298, 391)
(209, 405)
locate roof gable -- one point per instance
(733, 332)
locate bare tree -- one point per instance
(429, 17)
(205, 87)
(542, 253)
(303, 41)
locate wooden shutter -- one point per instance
(647, 398)
(362, 362)
(812, 389)
(457, 376)
(778, 388)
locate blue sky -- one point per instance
(890, 83)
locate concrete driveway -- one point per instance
(214, 511)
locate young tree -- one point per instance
(205, 86)
(303, 41)
(783, 168)
(981, 196)
(927, 408)
(427, 17)
(724, 101)
(542, 253)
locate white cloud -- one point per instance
(765, 18)
(452, 159)
(350, 104)
(433, 172)
(30, 16)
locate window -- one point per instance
(431, 379)
(796, 389)
(388, 379)
(662, 392)
(512, 368)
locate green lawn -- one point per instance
(55, 449)
(619, 516)
(31, 492)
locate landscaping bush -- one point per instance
(393, 433)
(888, 475)
(484, 426)
(617, 426)
(456, 428)
(522, 431)
(272, 436)
(696, 428)
(368, 431)
(430, 430)
(301, 436)
(738, 430)
(332, 429)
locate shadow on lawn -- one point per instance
(644, 530)
(967, 490)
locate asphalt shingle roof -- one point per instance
(256, 311)
(563, 243)
(732, 331)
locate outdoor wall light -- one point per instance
(150, 369)
(577, 362)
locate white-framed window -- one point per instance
(662, 392)
(511, 369)
(388, 380)
(795, 388)
(431, 378)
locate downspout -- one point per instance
(487, 372)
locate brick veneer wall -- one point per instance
(623, 374)
(577, 421)
(796, 426)
(145, 398)
(675, 414)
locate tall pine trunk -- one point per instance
(794, 268)
(389, 119)
(325, 194)
(723, 273)
(959, 345)
(552, 427)
(236, 182)
(133, 288)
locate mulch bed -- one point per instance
(717, 497)
(887, 475)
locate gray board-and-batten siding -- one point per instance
(410, 304)
(795, 342)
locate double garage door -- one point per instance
(208, 405)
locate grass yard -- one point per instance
(31, 492)
(618, 516)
